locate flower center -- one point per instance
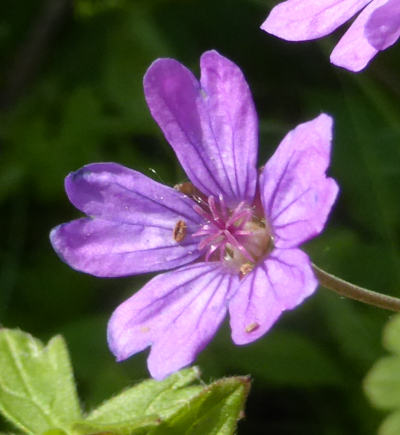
(237, 237)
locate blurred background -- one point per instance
(71, 93)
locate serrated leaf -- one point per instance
(382, 384)
(37, 391)
(214, 411)
(149, 398)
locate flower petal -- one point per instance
(281, 283)
(108, 249)
(233, 121)
(354, 51)
(177, 313)
(211, 126)
(383, 27)
(296, 194)
(300, 20)
(113, 192)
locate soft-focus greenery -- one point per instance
(38, 396)
(382, 385)
(76, 97)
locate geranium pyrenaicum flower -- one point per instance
(376, 28)
(231, 234)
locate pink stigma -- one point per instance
(224, 230)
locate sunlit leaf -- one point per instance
(214, 411)
(148, 398)
(37, 391)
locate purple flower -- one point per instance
(231, 235)
(376, 28)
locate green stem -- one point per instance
(352, 291)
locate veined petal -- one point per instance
(109, 249)
(383, 27)
(281, 283)
(296, 194)
(113, 192)
(301, 20)
(177, 313)
(212, 125)
(234, 124)
(354, 51)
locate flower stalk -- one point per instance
(356, 292)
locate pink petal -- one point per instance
(302, 20)
(296, 194)
(354, 51)
(281, 283)
(383, 27)
(115, 193)
(212, 125)
(107, 249)
(177, 313)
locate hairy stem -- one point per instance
(352, 291)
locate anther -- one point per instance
(179, 232)
(245, 269)
(252, 327)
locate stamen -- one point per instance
(222, 206)
(238, 246)
(218, 218)
(202, 212)
(242, 233)
(203, 231)
(210, 251)
(245, 215)
(245, 269)
(236, 234)
(209, 240)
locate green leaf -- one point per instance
(149, 398)
(214, 411)
(136, 426)
(391, 335)
(391, 425)
(37, 391)
(54, 432)
(172, 406)
(382, 384)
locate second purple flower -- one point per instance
(376, 28)
(231, 234)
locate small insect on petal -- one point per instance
(186, 188)
(179, 232)
(252, 327)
